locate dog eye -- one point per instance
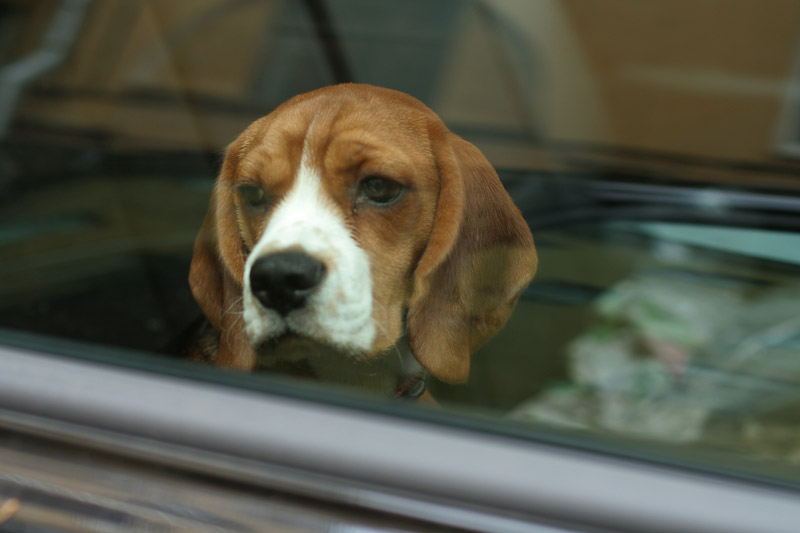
(252, 195)
(379, 190)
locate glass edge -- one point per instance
(450, 416)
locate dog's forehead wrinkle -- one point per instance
(251, 167)
(368, 122)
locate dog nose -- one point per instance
(283, 281)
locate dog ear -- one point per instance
(212, 280)
(217, 267)
(479, 258)
(218, 260)
(206, 270)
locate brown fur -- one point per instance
(454, 254)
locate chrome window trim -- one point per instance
(387, 463)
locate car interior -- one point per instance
(651, 149)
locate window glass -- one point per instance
(651, 147)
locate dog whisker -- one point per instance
(233, 332)
(234, 304)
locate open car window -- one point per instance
(650, 148)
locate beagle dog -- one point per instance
(352, 237)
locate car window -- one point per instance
(650, 147)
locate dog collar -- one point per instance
(412, 387)
(413, 378)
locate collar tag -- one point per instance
(413, 380)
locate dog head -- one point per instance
(350, 216)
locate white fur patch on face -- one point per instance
(339, 311)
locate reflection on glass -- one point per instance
(690, 343)
(640, 149)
